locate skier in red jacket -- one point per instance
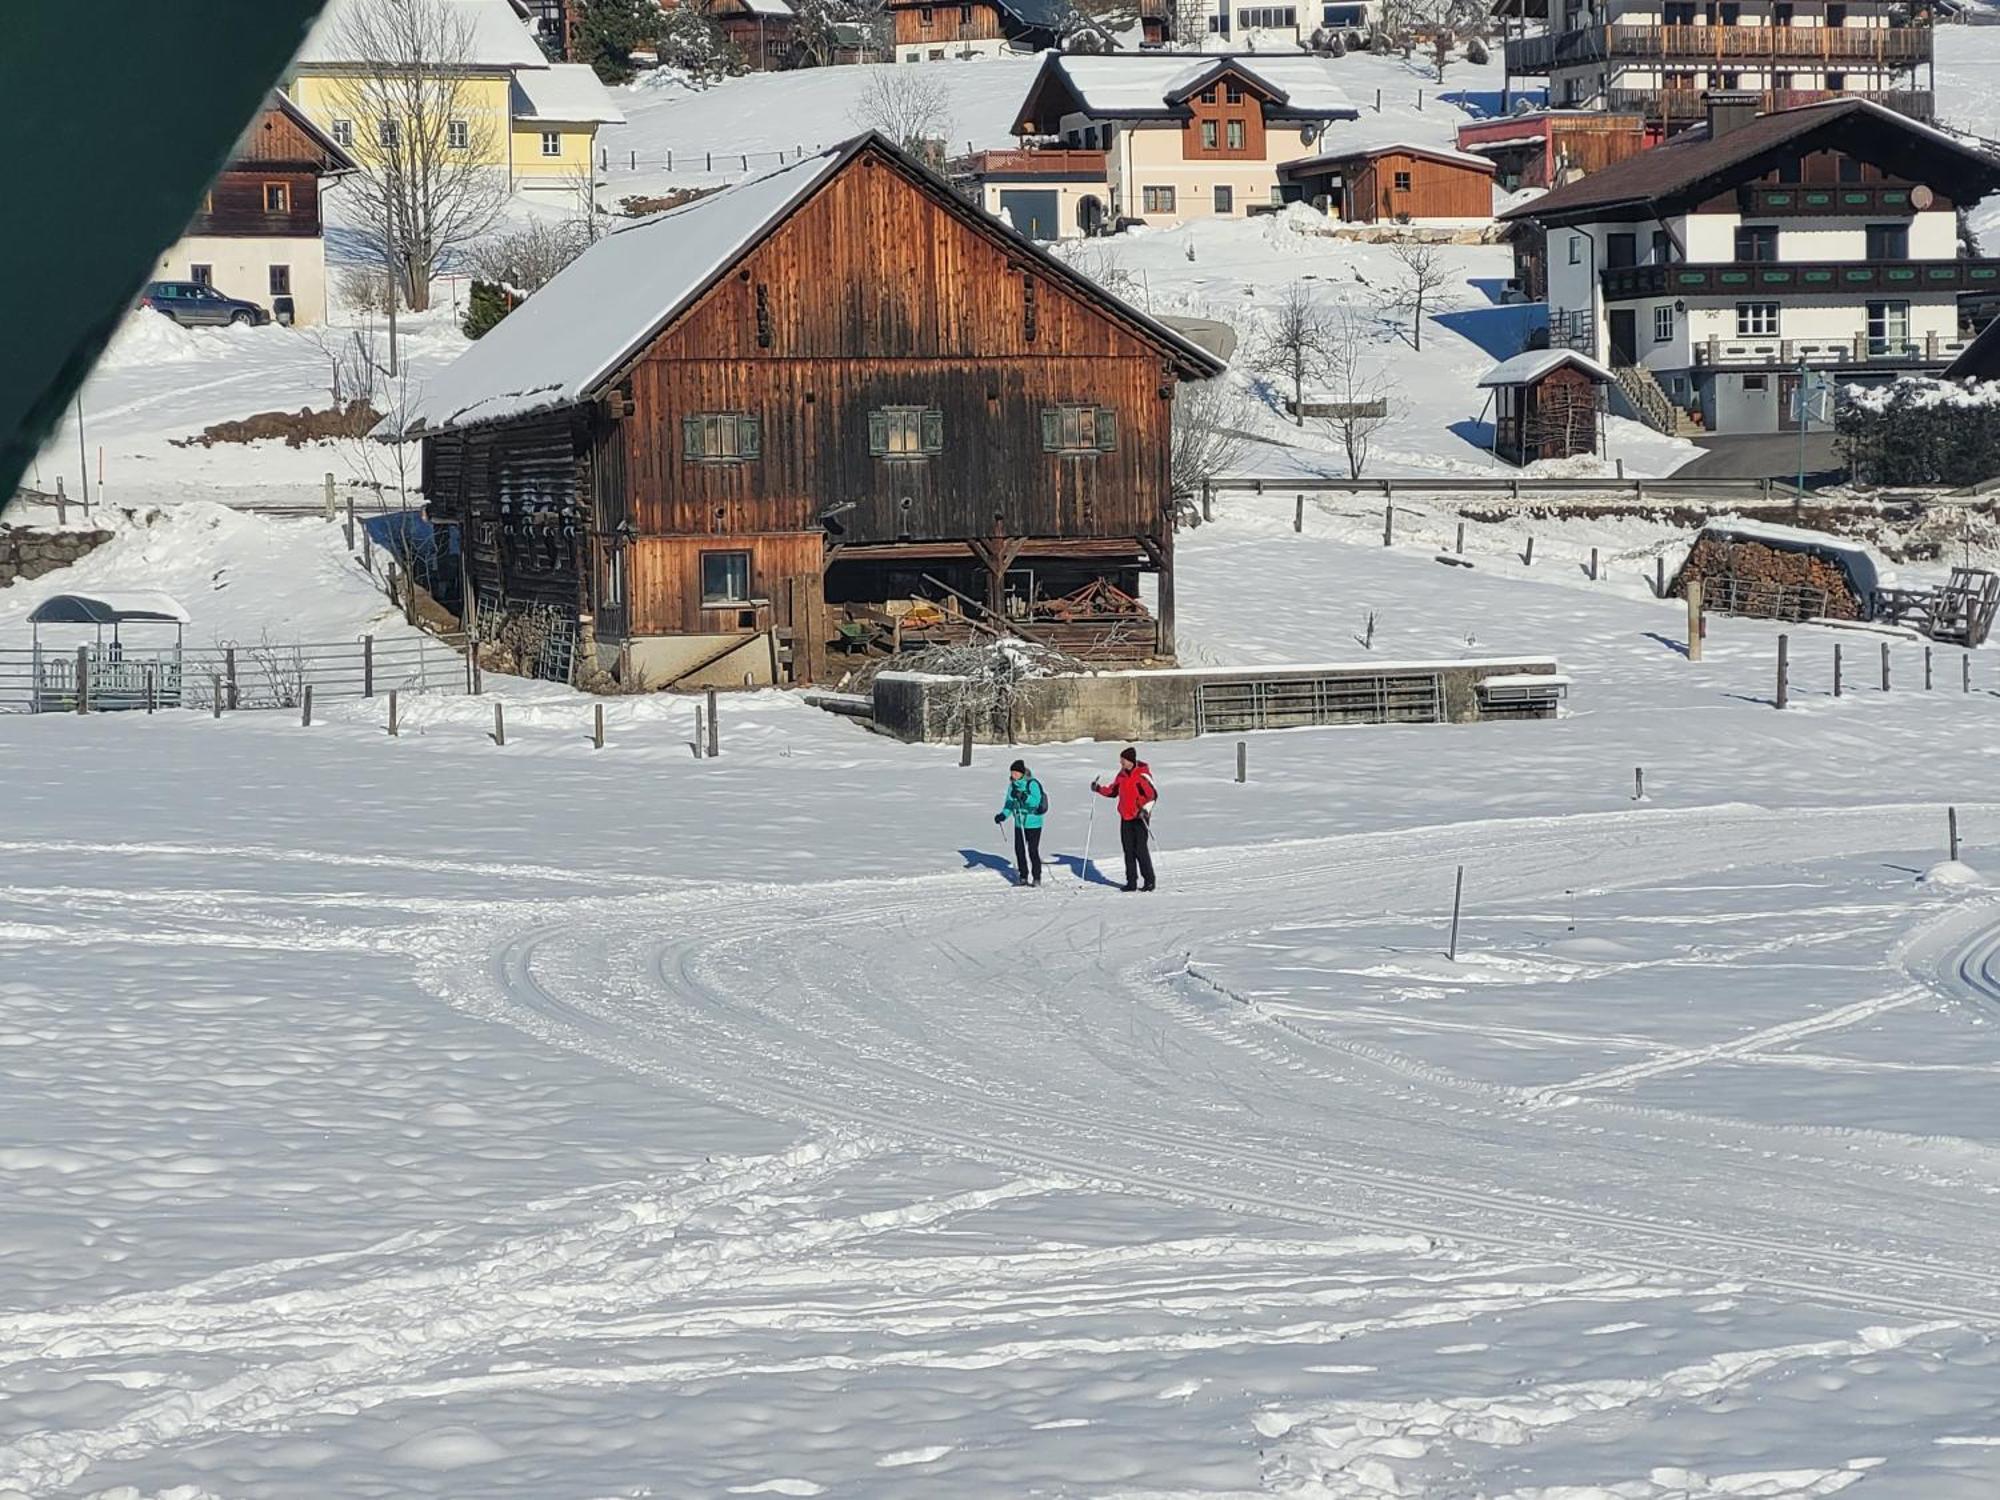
(1133, 788)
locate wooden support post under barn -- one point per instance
(812, 411)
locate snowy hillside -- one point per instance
(416, 1117)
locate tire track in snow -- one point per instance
(917, 1103)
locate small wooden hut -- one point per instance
(1547, 404)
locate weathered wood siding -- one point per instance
(235, 204)
(874, 295)
(519, 492)
(940, 25)
(663, 580)
(1437, 190)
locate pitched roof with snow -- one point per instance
(566, 94)
(1527, 368)
(566, 341)
(1694, 164)
(496, 37)
(1127, 85)
(1339, 150)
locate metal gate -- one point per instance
(1228, 707)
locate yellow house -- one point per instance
(467, 74)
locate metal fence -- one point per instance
(105, 678)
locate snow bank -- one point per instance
(149, 338)
(1952, 874)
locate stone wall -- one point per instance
(27, 553)
(1163, 705)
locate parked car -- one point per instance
(193, 305)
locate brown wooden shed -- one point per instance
(1393, 183)
(1547, 404)
(837, 383)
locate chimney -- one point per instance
(1729, 110)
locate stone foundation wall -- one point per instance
(26, 553)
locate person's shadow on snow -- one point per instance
(1083, 870)
(981, 859)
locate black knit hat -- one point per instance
(1021, 766)
(1129, 753)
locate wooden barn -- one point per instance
(759, 29)
(1395, 183)
(1547, 404)
(926, 32)
(830, 397)
(1548, 147)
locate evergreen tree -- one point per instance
(609, 31)
(488, 304)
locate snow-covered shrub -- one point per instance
(1475, 53)
(1921, 430)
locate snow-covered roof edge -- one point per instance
(1533, 364)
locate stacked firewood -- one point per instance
(1762, 574)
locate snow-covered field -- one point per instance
(416, 1117)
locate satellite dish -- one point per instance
(1921, 196)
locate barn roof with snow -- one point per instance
(570, 340)
(1528, 367)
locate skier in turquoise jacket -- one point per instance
(1026, 804)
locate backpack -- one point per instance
(1043, 798)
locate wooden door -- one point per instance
(1624, 338)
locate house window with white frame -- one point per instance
(1157, 200)
(1756, 320)
(1888, 328)
(1576, 249)
(343, 132)
(1663, 323)
(725, 578)
(552, 143)
(457, 135)
(1237, 135)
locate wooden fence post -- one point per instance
(1951, 823)
(1593, 565)
(1694, 619)
(83, 679)
(328, 504)
(1885, 666)
(1660, 577)
(597, 728)
(714, 727)
(306, 708)
(1457, 893)
(1965, 673)
(215, 694)
(368, 666)
(1389, 524)
(1927, 669)
(1459, 546)
(1528, 556)
(1784, 672)
(350, 523)
(697, 731)
(229, 666)
(394, 727)
(1836, 669)
(1638, 783)
(1207, 501)
(1299, 513)
(499, 723)
(152, 688)
(1242, 761)
(965, 743)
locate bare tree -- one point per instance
(1359, 387)
(1426, 273)
(912, 107)
(1208, 436)
(526, 258)
(1294, 347)
(432, 152)
(878, 31)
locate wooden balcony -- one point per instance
(1875, 199)
(1799, 278)
(1674, 105)
(1826, 46)
(1033, 161)
(1859, 351)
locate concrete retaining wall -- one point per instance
(1168, 704)
(29, 554)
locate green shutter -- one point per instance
(691, 437)
(1107, 429)
(878, 433)
(933, 431)
(1051, 430)
(749, 437)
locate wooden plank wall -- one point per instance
(1438, 190)
(235, 204)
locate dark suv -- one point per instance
(193, 305)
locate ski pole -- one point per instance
(1090, 828)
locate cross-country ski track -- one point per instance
(1088, 1051)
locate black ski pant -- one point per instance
(1028, 851)
(1133, 834)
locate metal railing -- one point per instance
(263, 675)
(1884, 46)
(1860, 349)
(1672, 104)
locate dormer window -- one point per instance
(1207, 96)
(1233, 94)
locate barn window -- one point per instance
(722, 436)
(1079, 429)
(277, 198)
(905, 431)
(725, 578)
(1402, 182)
